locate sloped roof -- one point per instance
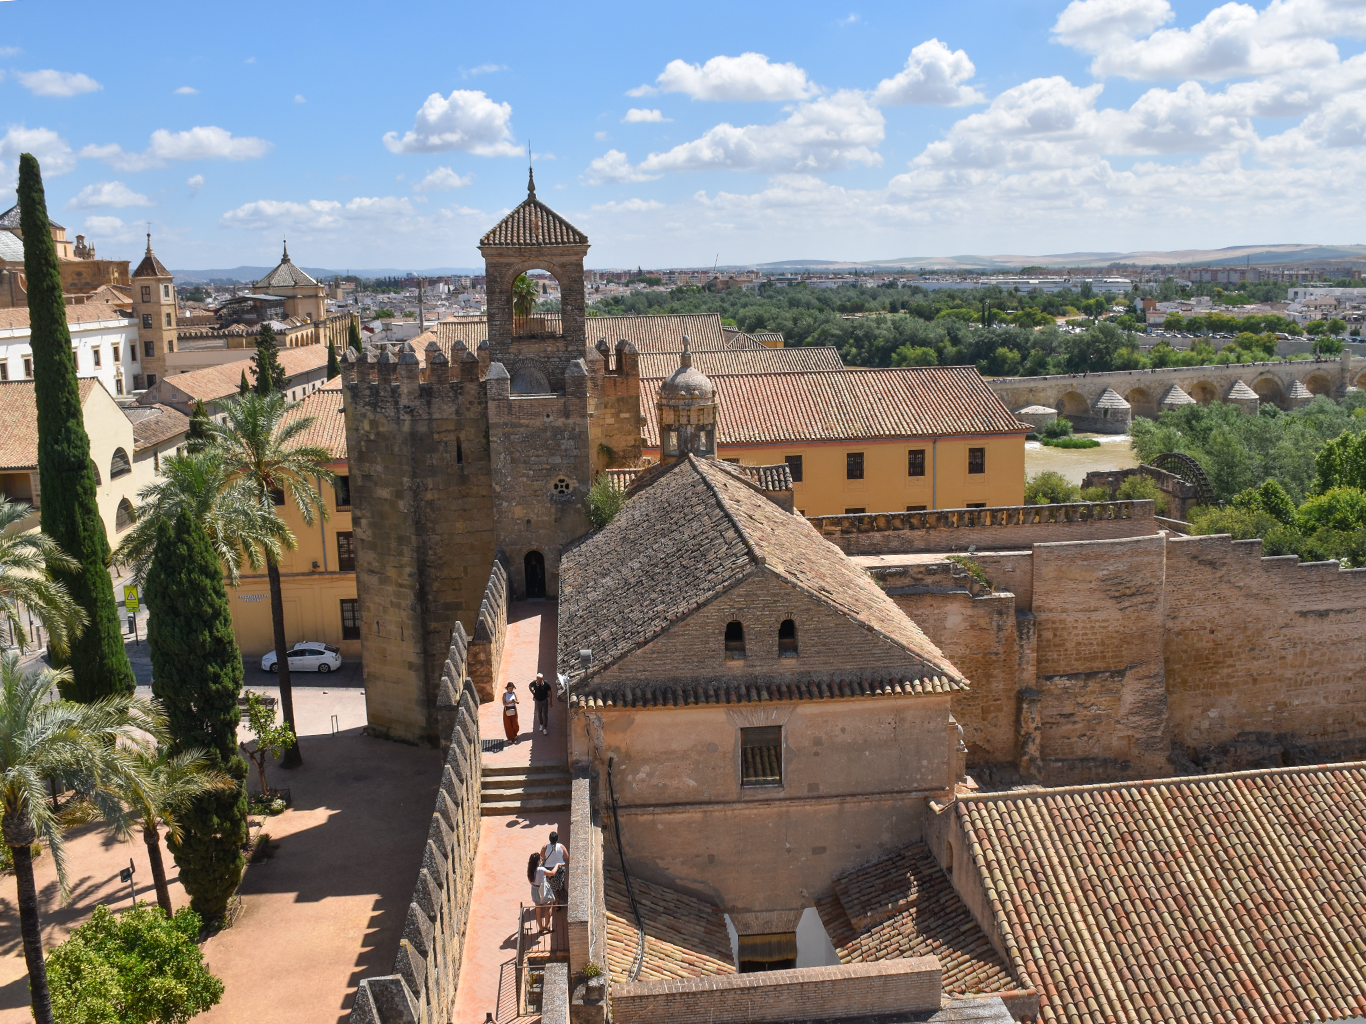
(155, 423)
(1298, 390)
(215, 382)
(16, 317)
(329, 423)
(19, 421)
(533, 223)
(1216, 898)
(9, 220)
(1175, 396)
(765, 360)
(686, 535)
(1241, 391)
(150, 265)
(684, 937)
(902, 906)
(11, 247)
(1111, 399)
(848, 405)
(285, 275)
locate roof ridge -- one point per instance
(754, 554)
(1148, 783)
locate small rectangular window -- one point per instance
(168, 320)
(149, 348)
(794, 466)
(976, 504)
(853, 465)
(977, 460)
(114, 351)
(341, 487)
(118, 385)
(28, 368)
(165, 291)
(916, 508)
(761, 756)
(151, 379)
(76, 360)
(4, 370)
(147, 322)
(147, 293)
(855, 511)
(133, 352)
(346, 551)
(915, 462)
(350, 616)
(96, 354)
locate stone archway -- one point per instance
(1361, 380)
(533, 566)
(1269, 389)
(1142, 402)
(1319, 384)
(1204, 392)
(1073, 404)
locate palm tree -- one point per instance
(26, 563)
(238, 525)
(165, 784)
(262, 447)
(525, 295)
(90, 746)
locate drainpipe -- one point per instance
(934, 473)
(322, 525)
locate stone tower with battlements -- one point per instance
(455, 457)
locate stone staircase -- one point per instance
(520, 790)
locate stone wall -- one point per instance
(490, 632)
(1182, 495)
(987, 529)
(421, 989)
(906, 986)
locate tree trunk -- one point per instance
(151, 835)
(292, 757)
(31, 930)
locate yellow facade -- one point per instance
(313, 582)
(887, 485)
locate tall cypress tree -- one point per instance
(243, 387)
(70, 514)
(198, 675)
(265, 365)
(333, 366)
(353, 336)
(199, 435)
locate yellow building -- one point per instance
(869, 440)
(317, 578)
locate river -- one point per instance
(1115, 452)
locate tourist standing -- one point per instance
(555, 859)
(542, 895)
(510, 712)
(542, 695)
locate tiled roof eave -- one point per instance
(724, 693)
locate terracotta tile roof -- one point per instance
(215, 382)
(16, 318)
(19, 421)
(153, 424)
(677, 695)
(1215, 898)
(329, 423)
(905, 906)
(285, 275)
(730, 361)
(768, 478)
(712, 528)
(533, 223)
(684, 937)
(848, 405)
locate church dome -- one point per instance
(687, 383)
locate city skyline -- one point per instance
(872, 134)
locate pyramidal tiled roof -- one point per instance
(534, 223)
(150, 265)
(1111, 399)
(285, 275)
(1298, 390)
(9, 220)
(1175, 396)
(1241, 391)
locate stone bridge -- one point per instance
(1097, 401)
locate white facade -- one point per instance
(106, 349)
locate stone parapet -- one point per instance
(490, 631)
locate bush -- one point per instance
(1096, 493)
(603, 501)
(1342, 509)
(1060, 427)
(1050, 488)
(1143, 488)
(1070, 442)
(136, 967)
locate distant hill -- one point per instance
(246, 275)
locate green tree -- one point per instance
(603, 501)
(27, 560)
(1270, 498)
(1341, 462)
(198, 675)
(1315, 328)
(264, 452)
(135, 967)
(1050, 488)
(70, 514)
(243, 387)
(1327, 346)
(200, 434)
(1138, 487)
(353, 337)
(271, 738)
(266, 370)
(384, 313)
(333, 366)
(525, 294)
(1337, 327)
(164, 786)
(1342, 509)
(918, 355)
(88, 747)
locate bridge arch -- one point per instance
(1269, 389)
(1204, 392)
(1319, 384)
(1142, 402)
(1073, 403)
(1361, 380)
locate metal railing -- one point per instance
(535, 949)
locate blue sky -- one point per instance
(374, 135)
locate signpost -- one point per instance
(130, 602)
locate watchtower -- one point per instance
(154, 307)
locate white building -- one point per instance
(104, 344)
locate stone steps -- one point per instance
(519, 790)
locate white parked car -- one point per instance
(308, 656)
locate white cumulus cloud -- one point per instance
(640, 115)
(53, 153)
(318, 214)
(1093, 25)
(198, 143)
(933, 75)
(466, 120)
(748, 77)
(186, 90)
(824, 134)
(56, 83)
(107, 193)
(442, 178)
(628, 206)
(196, 182)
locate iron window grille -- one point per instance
(794, 466)
(977, 460)
(853, 464)
(915, 462)
(346, 551)
(350, 616)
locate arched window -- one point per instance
(528, 380)
(123, 516)
(787, 639)
(119, 464)
(735, 639)
(96, 470)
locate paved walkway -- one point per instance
(487, 983)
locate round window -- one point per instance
(562, 485)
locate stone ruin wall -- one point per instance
(421, 989)
(490, 632)
(1142, 656)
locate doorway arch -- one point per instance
(534, 568)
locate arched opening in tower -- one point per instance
(534, 567)
(536, 305)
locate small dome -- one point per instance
(686, 382)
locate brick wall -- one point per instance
(1265, 660)
(808, 993)
(490, 632)
(421, 989)
(988, 529)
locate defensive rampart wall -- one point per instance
(490, 631)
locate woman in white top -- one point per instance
(541, 893)
(510, 712)
(556, 860)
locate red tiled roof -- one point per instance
(16, 317)
(329, 423)
(533, 223)
(19, 421)
(848, 405)
(151, 266)
(153, 424)
(215, 382)
(731, 361)
(684, 937)
(903, 906)
(1219, 898)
